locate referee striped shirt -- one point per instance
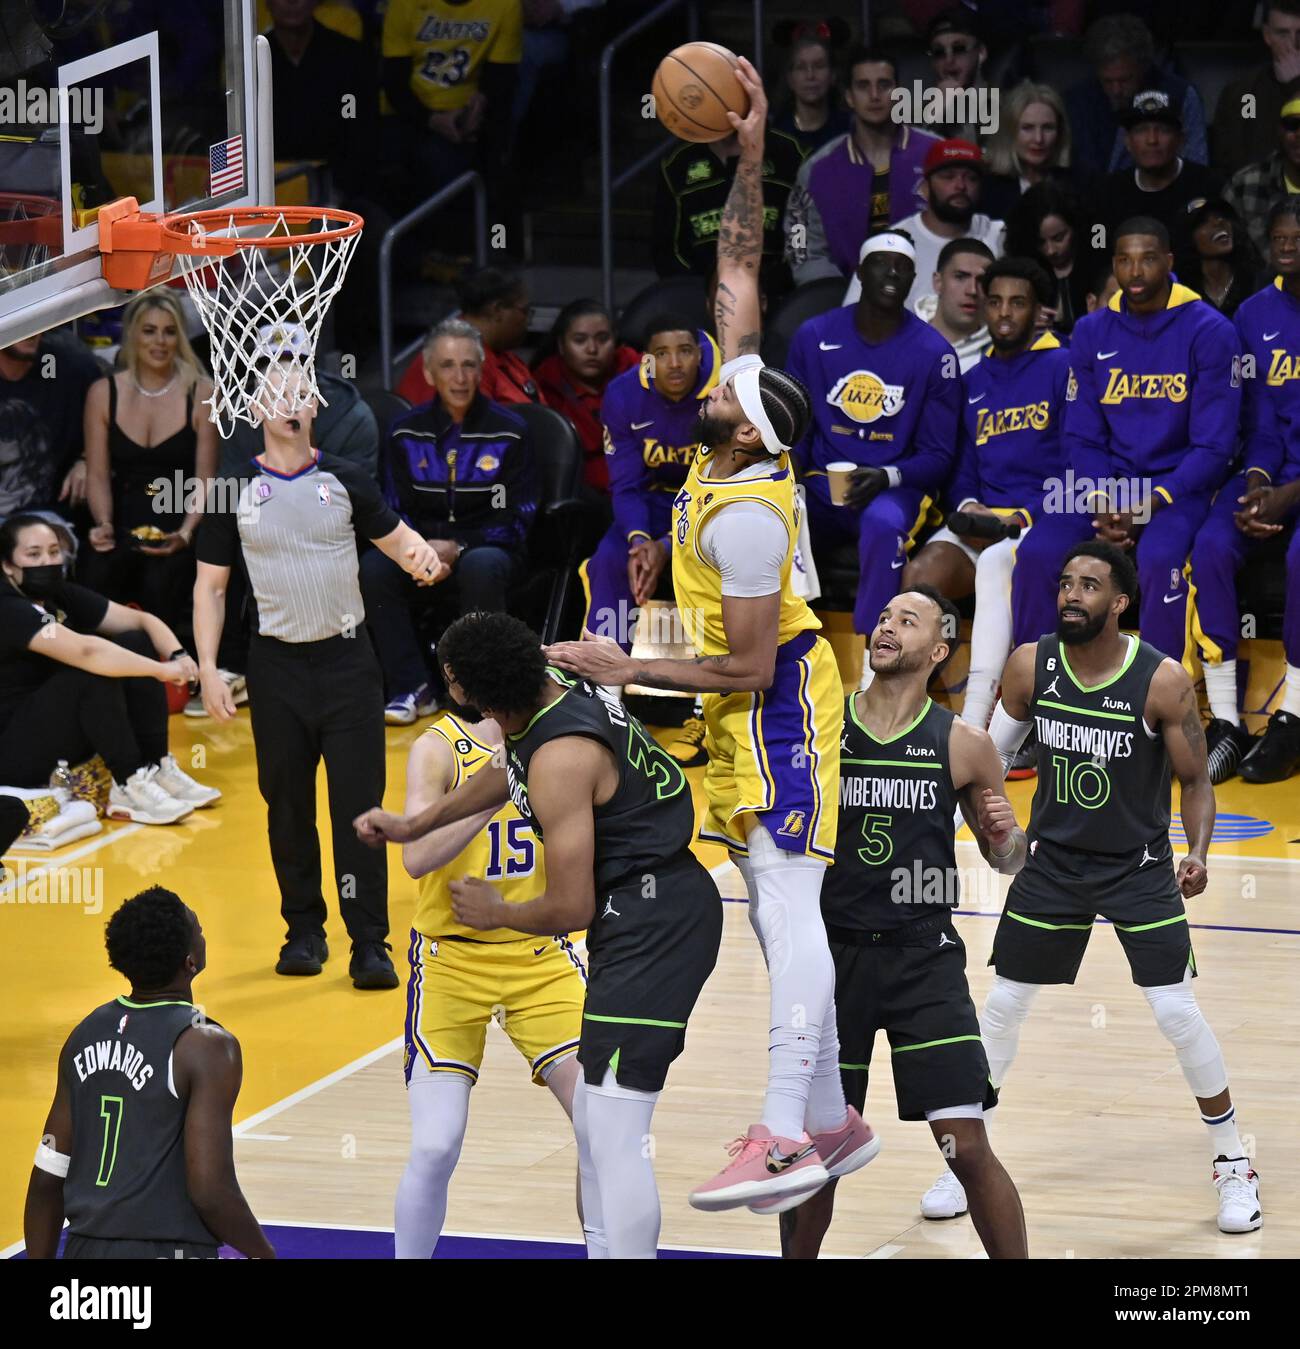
(296, 535)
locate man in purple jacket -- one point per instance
(858, 183)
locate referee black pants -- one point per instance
(308, 701)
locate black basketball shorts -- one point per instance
(1058, 894)
(650, 948)
(910, 983)
(115, 1248)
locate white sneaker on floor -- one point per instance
(140, 798)
(944, 1199)
(237, 685)
(179, 785)
(1238, 1187)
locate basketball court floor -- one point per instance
(1096, 1124)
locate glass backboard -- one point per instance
(103, 99)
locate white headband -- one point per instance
(887, 243)
(745, 383)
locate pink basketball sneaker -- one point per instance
(763, 1167)
(842, 1151)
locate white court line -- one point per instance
(885, 1252)
(265, 1138)
(91, 846)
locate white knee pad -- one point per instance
(1183, 1024)
(1006, 1006)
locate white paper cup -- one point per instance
(838, 476)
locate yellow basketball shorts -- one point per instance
(535, 989)
(775, 755)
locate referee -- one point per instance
(292, 522)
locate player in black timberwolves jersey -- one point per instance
(137, 1150)
(906, 764)
(615, 814)
(1113, 717)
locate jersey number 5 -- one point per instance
(879, 846)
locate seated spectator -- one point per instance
(1224, 267)
(860, 183)
(1031, 146)
(1103, 287)
(959, 307)
(1249, 106)
(1253, 190)
(1161, 182)
(1010, 447)
(1049, 225)
(957, 55)
(953, 174)
(495, 302)
(1123, 55)
(43, 385)
(574, 377)
(690, 191)
(451, 82)
(651, 418)
(80, 676)
(815, 112)
(459, 472)
(148, 439)
(885, 394)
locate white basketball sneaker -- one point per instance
(1238, 1187)
(944, 1199)
(178, 784)
(140, 798)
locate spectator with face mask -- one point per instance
(80, 676)
(953, 173)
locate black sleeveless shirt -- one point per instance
(1103, 782)
(127, 1176)
(137, 469)
(894, 857)
(651, 816)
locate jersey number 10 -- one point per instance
(1086, 784)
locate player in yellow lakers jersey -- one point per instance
(461, 977)
(773, 708)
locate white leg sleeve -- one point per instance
(990, 639)
(439, 1113)
(622, 1152)
(1183, 1024)
(1005, 1010)
(1221, 691)
(785, 910)
(593, 1214)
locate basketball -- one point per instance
(694, 88)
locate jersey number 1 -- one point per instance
(110, 1111)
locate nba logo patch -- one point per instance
(1175, 576)
(793, 826)
(323, 493)
(121, 1025)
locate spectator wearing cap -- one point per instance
(1253, 190)
(953, 171)
(957, 55)
(959, 310)
(1161, 182)
(690, 194)
(886, 395)
(1249, 107)
(860, 183)
(1123, 56)
(1030, 146)
(459, 472)
(1223, 267)
(495, 301)
(814, 113)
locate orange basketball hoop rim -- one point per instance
(139, 247)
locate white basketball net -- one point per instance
(263, 309)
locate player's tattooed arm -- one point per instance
(740, 230)
(977, 774)
(1172, 705)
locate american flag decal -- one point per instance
(226, 165)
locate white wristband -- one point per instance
(56, 1163)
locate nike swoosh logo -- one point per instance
(830, 346)
(1106, 355)
(778, 1164)
(894, 566)
(1268, 337)
(980, 399)
(641, 426)
(1172, 599)
(539, 950)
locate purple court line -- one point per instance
(1204, 927)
